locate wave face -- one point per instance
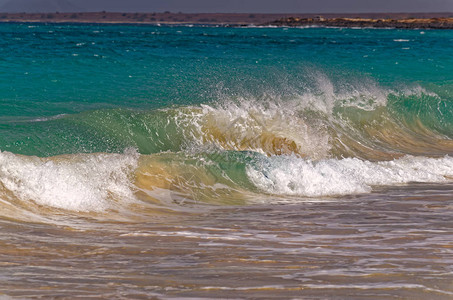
(171, 120)
(368, 122)
(237, 150)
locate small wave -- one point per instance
(56, 117)
(322, 118)
(295, 176)
(326, 139)
(356, 120)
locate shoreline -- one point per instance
(364, 20)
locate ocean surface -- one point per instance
(210, 162)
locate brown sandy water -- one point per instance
(394, 243)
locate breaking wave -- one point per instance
(326, 142)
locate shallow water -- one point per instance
(394, 243)
(202, 162)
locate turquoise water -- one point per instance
(109, 73)
(268, 162)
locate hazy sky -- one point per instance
(262, 6)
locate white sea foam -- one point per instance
(82, 182)
(256, 126)
(297, 120)
(290, 175)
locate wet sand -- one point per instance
(394, 243)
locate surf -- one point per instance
(329, 140)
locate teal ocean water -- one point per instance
(75, 88)
(123, 144)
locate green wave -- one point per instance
(382, 125)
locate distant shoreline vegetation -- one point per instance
(406, 23)
(394, 20)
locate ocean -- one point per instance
(191, 162)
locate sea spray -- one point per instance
(81, 182)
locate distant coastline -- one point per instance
(406, 23)
(395, 20)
